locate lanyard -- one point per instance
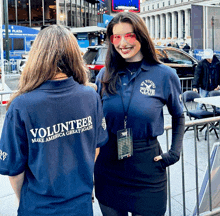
(126, 111)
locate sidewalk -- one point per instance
(8, 205)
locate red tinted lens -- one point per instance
(115, 39)
(130, 38)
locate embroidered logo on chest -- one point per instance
(147, 88)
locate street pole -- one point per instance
(1, 46)
(16, 11)
(71, 12)
(58, 11)
(29, 9)
(65, 13)
(6, 28)
(43, 12)
(213, 38)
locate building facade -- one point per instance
(169, 21)
(35, 13)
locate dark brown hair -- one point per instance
(55, 49)
(114, 61)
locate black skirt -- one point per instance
(137, 184)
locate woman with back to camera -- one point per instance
(130, 171)
(52, 128)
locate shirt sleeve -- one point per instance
(101, 124)
(174, 97)
(13, 145)
(98, 80)
(197, 75)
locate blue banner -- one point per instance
(106, 19)
(126, 5)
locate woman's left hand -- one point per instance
(157, 158)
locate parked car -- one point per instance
(176, 58)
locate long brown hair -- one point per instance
(55, 49)
(114, 61)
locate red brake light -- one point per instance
(95, 67)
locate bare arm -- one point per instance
(16, 183)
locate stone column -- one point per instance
(168, 26)
(148, 24)
(186, 23)
(151, 26)
(162, 27)
(146, 18)
(156, 27)
(189, 23)
(174, 25)
(180, 25)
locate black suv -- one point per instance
(176, 58)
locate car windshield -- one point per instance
(176, 57)
(90, 55)
(101, 56)
(95, 56)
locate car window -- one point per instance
(101, 56)
(90, 56)
(161, 55)
(176, 57)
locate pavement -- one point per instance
(8, 202)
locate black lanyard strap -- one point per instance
(126, 111)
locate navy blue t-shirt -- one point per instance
(154, 86)
(51, 133)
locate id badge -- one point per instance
(125, 143)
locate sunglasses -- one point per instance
(129, 37)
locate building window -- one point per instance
(158, 5)
(152, 6)
(18, 44)
(168, 2)
(163, 4)
(148, 7)
(143, 8)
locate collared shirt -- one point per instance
(154, 86)
(52, 133)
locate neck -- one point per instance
(60, 76)
(209, 60)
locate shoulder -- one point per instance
(100, 74)
(16, 106)
(203, 61)
(165, 70)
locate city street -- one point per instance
(8, 204)
(180, 30)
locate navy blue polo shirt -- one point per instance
(154, 86)
(52, 133)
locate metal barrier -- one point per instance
(13, 65)
(5, 93)
(186, 83)
(194, 124)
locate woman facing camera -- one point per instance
(130, 171)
